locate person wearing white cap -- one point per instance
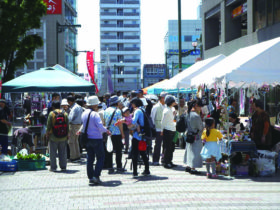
(156, 116)
(94, 145)
(64, 105)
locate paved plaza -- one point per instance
(165, 189)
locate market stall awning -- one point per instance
(257, 64)
(146, 89)
(48, 79)
(183, 79)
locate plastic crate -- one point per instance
(8, 165)
(31, 165)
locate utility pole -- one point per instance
(179, 36)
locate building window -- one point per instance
(120, 80)
(276, 11)
(187, 38)
(161, 72)
(260, 17)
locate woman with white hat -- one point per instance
(64, 105)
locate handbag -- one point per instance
(84, 136)
(142, 146)
(191, 136)
(109, 144)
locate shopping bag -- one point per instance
(109, 145)
(142, 145)
(10, 128)
(175, 139)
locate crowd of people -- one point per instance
(123, 118)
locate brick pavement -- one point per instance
(165, 189)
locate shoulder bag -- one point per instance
(191, 136)
(109, 144)
(84, 137)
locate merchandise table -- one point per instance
(232, 147)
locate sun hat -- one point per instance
(125, 109)
(93, 100)
(64, 102)
(114, 100)
(2, 101)
(163, 94)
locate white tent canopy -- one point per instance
(257, 64)
(183, 79)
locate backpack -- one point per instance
(181, 125)
(60, 128)
(149, 129)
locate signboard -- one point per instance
(175, 52)
(54, 7)
(239, 10)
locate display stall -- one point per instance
(255, 68)
(50, 79)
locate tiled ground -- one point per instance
(165, 189)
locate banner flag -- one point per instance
(110, 87)
(90, 67)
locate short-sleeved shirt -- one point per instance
(214, 135)
(117, 116)
(138, 118)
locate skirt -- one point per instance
(211, 149)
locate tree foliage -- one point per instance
(16, 18)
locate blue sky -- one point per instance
(154, 19)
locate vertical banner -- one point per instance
(0, 80)
(54, 7)
(110, 87)
(90, 67)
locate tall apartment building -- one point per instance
(228, 25)
(120, 38)
(55, 51)
(191, 32)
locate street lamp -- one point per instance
(59, 29)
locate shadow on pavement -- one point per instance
(150, 178)
(111, 183)
(68, 171)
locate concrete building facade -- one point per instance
(55, 51)
(228, 25)
(191, 32)
(120, 40)
(153, 73)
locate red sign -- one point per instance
(54, 7)
(90, 67)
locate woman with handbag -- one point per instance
(138, 139)
(192, 157)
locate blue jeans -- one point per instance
(95, 148)
(4, 144)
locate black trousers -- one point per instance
(135, 153)
(117, 147)
(169, 146)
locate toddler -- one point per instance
(211, 150)
(127, 119)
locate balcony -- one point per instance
(131, 25)
(108, 25)
(108, 37)
(108, 13)
(108, 2)
(132, 2)
(131, 60)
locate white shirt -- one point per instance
(154, 111)
(167, 121)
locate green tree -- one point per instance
(16, 18)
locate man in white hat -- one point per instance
(65, 106)
(156, 116)
(94, 145)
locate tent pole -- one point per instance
(227, 115)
